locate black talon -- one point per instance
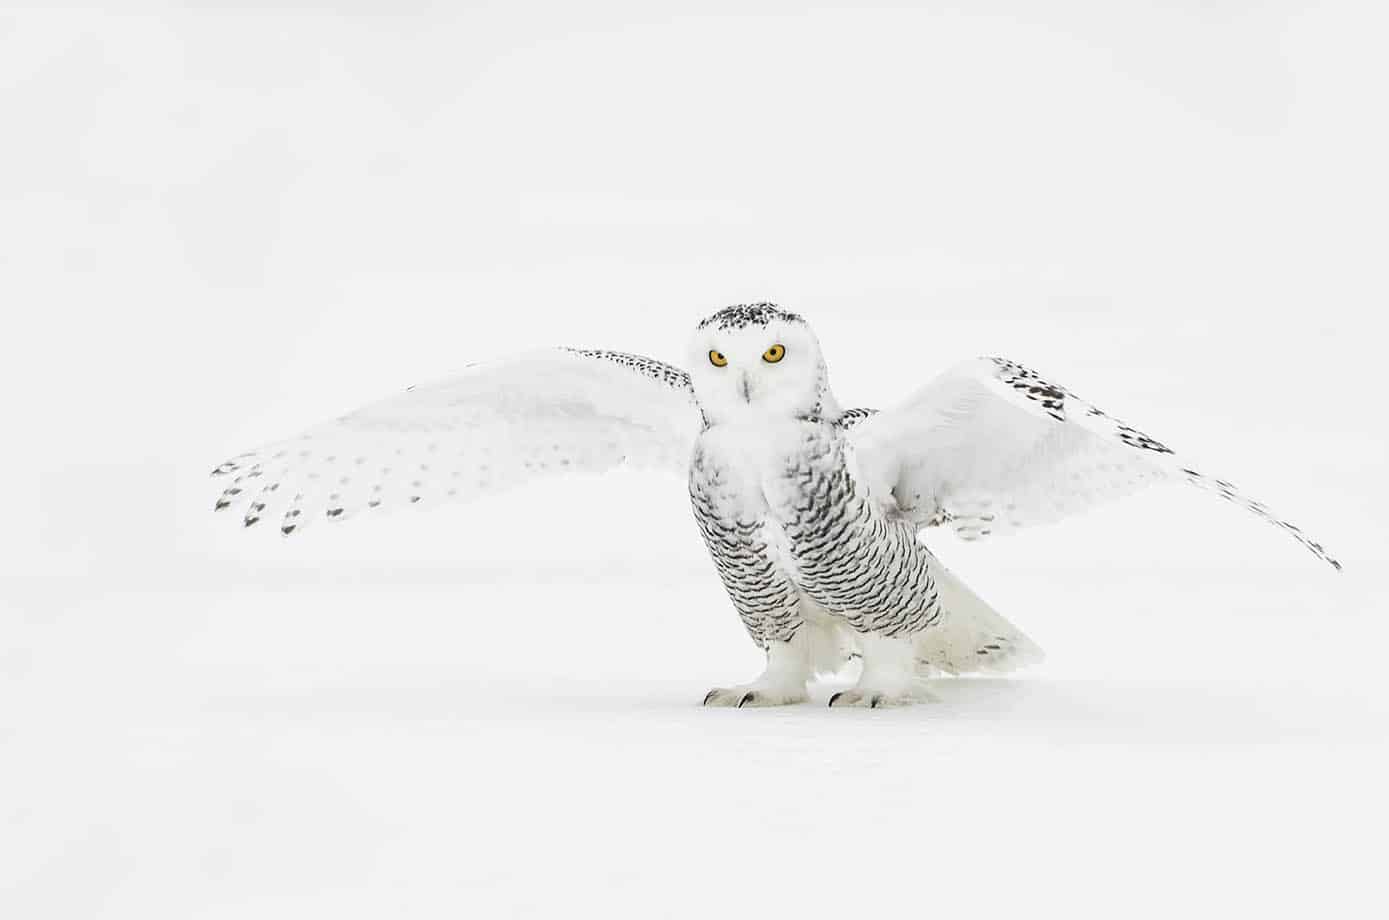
(836, 696)
(710, 695)
(747, 698)
(873, 703)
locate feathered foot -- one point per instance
(869, 698)
(889, 676)
(755, 694)
(788, 668)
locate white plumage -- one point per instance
(989, 446)
(493, 427)
(810, 512)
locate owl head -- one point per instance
(753, 362)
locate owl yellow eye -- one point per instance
(774, 354)
(717, 359)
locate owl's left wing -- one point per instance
(990, 446)
(493, 427)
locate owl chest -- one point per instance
(746, 484)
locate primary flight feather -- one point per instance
(811, 512)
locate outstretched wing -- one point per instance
(493, 427)
(990, 446)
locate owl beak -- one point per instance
(745, 387)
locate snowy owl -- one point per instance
(811, 512)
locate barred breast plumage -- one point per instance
(791, 522)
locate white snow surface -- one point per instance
(219, 227)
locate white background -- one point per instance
(219, 225)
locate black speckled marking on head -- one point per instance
(742, 315)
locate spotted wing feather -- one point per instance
(990, 446)
(493, 427)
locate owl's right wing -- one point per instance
(493, 427)
(990, 446)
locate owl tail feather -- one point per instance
(971, 636)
